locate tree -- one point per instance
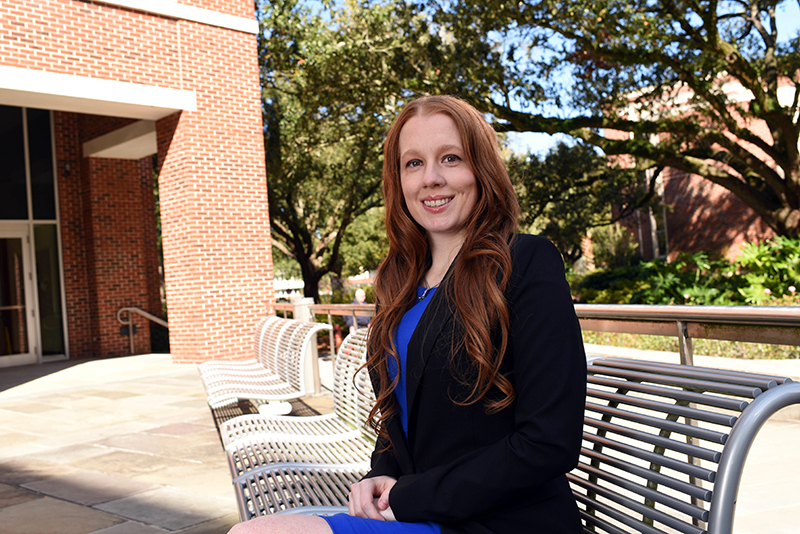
(571, 190)
(366, 243)
(668, 75)
(333, 78)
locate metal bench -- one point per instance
(284, 363)
(665, 445)
(296, 463)
(352, 402)
(663, 452)
(266, 333)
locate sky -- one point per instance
(788, 20)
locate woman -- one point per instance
(479, 426)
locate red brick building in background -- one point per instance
(697, 214)
(93, 95)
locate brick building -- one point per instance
(696, 214)
(95, 96)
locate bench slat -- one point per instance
(614, 513)
(684, 411)
(706, 399)
(663, 424)
(700, 385)
(761, 382)
(738, 375)
(644, 510)
(652, 457)
(656, 496)
(670, 444)
(649, 474)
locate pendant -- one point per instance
(424, 293)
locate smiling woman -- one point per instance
(439, 187)
(475, 351)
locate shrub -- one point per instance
(771, 270)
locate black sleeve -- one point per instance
(383, 461)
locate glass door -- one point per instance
(16, 311)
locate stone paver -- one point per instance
(10, 496)
(131, 527)
(118, 446)
(769, 495)
(88, 487)
(51, 516)
(169, 508)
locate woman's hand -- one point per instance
(370, 498)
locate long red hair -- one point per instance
(478, 277)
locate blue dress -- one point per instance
(346, 524)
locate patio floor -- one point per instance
(129, 446)
(116, 446)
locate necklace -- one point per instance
(428, 288)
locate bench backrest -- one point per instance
(654, 435)
(272, 334)
(293, 348)
(353, 398)
(260, 337)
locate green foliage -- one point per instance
(613, 246)
(571, 190)
(333, 77)
(664, 75)
(365, 243)
(770, 269)
(764, 274)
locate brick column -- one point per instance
(213, 193)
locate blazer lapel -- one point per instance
(434, 321)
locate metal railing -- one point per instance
(756, 324)
(778, 325)
(130, 310)
(340, 310)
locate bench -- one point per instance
(664, 448)
(282, 347)
(318, 457)
(213, 368)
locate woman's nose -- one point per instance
(432, 176)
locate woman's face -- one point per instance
(438, 184)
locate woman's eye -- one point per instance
(414, 163)
(451, 158)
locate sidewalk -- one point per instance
(128, 446)
(116, 446)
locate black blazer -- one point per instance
(500, 473)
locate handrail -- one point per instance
(750, 315)
(755, 324)
(130, 310)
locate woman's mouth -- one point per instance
(437, 203)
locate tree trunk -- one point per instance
(310, 279)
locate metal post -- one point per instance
(685, 344)
(333, 337)
(302, 312)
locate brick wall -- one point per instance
(87, 39)
(212, 180)
(215, 218)
(240, 9)
(703, 216)
(108, 236)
